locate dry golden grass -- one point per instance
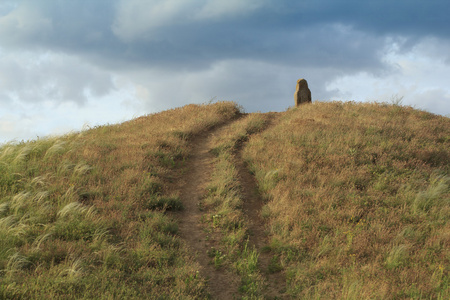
(358, 205)
(83, 215)
(358, 200)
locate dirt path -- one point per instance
(253, 203)
(222, 284)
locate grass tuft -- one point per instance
(165, 203)
(435, 197)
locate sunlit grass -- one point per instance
(83, 215)
(359, 200)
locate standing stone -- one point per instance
(302, 93)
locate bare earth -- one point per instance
(222, 284)
(253, 203)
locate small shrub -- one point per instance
(182, 135)
(164, 203)
(150, 187)
(75, 229)
(275, 265)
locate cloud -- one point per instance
(7, 6)
(181, 34)
(257, 85)
(15, 127)
(135, 18)
(72, 58)
(141, 20)
(432, 100)
(28, 120)
(420, 76)
(24, 23)
(217, 9)
(194, 34)
(51, 77)
(381, 17)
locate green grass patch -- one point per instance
(164, 203)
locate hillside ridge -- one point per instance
(327, 200)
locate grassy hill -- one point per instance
(343, 201)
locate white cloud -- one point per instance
(140, 19)
(433, 100)
(48, 76)
(17, 125)
(45, 93)
(24, 22)
(419, 75)
(23, 121)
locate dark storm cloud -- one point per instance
(218, 42)
(77, 59)
(303, 32)
(405, 17)
(72, 26)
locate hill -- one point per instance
(328, 200)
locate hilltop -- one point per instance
(327, 200)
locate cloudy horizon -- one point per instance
(64, 64)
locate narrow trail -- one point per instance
(253, 203)
(222, 283)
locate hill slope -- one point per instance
(353, 202)
(358, 200)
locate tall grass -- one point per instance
(83, 215)
(358, 200)
(358, 205)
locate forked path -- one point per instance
(222, 284)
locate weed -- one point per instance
(275, 265)
(151, 187)
(73, 269)
(164, 203)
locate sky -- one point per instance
(67, 65)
